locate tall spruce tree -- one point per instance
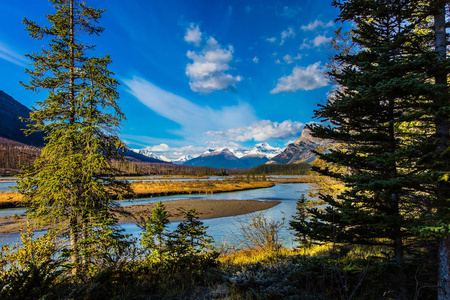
(385, 112)
(436, 161)
(72, 182)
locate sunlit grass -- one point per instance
(10, 199)
(149, 188)
(251, 256)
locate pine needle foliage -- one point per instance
(72, 182)
(387, 115)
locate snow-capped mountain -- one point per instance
(217, 159)
(263, 149)
(225, 158)
(182, 159)
(150, 154)
(222, 157)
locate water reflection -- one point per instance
(221, 229)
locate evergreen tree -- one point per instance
(72, 182)
(438, 162)
(384, 114)
(189, 245)
(155, 235)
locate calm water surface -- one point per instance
(221, 229)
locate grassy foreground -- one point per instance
(321, 272)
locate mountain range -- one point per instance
(12, 128)
(223, 157)
(226, 159)
(263, 153)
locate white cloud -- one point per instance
(289, 33)
(288, 59)
(9, 55)
(271, 39)
(320, 40)
(317, 23)
(192, 117)
(305, 44)
(255, 59)
(278, 61)
(158, 148)
(309, 78)
(299, 56)
(207, 71)
(260, 131)
(222, 145)
(193, 35)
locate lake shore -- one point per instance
(207, 209)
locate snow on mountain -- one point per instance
(182, 159)
(150, 154)
(263, 149)
(258, 154)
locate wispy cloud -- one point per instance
(316, 24)
(309, 78)
(288, 33)
(193, 118)
(255, 59)
(12, 56)
(288, 59)
(208, 70)
(260, 131)
(320, 40)
(271, 39)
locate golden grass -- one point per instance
(10, 199)
(251, 256)
(158, 188)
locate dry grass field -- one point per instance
(163, 188)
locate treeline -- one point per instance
(14, 155)
(143, 168)
(288, 169)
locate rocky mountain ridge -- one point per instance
(300, 150)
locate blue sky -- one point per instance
(197, 74)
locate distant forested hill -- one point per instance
(288, 169)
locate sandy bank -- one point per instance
(208, 209)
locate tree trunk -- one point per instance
(73, 222)
(73, 239)
(442, 135)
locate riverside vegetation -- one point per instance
(384, 231)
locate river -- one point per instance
(221, 229)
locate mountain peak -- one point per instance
(300, 150)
